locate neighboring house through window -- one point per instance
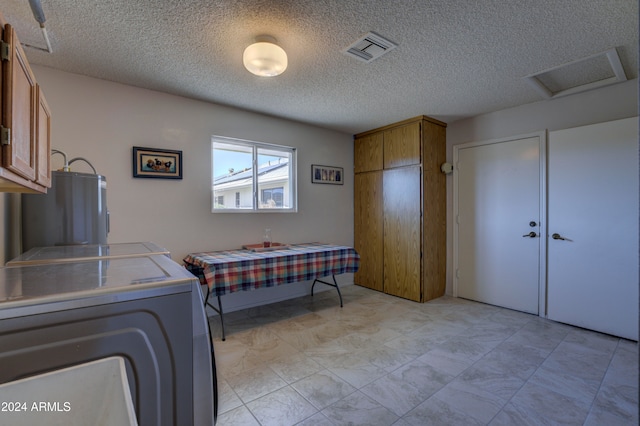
(254, 176)
(272, 196)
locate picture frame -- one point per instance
(327, 174)
(157, 163)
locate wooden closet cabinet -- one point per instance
(25, 120)
(368, 153)
(368, 228)
(400, 208)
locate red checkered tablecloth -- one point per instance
(237, 270)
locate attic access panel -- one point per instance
(601, 69)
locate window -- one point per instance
(272, 197)
(254, 176)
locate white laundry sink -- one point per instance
(93, 393)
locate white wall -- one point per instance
(102, 121)
(596, 106)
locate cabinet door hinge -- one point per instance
(5, 135)
(5, 51)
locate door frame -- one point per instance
(542, 241)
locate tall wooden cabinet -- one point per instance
(25, 121)
(400, 208)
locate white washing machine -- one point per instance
(73, 253)
(65, 306)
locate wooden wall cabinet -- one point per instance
(25, 119)
(43, 140)
(400, 209)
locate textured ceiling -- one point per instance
(455, 58)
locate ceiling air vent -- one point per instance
(369, 47)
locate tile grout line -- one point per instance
(595, 397)
(465, 317)
(481, 358)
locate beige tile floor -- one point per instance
(382, 360)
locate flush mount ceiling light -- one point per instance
(265, 58)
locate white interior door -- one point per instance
(497, 205)
(593, 204)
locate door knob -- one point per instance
(531, 235)
(533, 224)
(557, 236)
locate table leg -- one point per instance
(218, 310)
(335, 284)
(221, 317)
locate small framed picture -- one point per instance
(157, 163)
(327, 174)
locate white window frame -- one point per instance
(255, 147)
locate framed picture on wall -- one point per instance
(327, 174)
(157, 163)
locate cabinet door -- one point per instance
(368, 229)
(367, 153)
(2, 79)
(402, 232)
(43, 140)
(19, 110)
(402, 146)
